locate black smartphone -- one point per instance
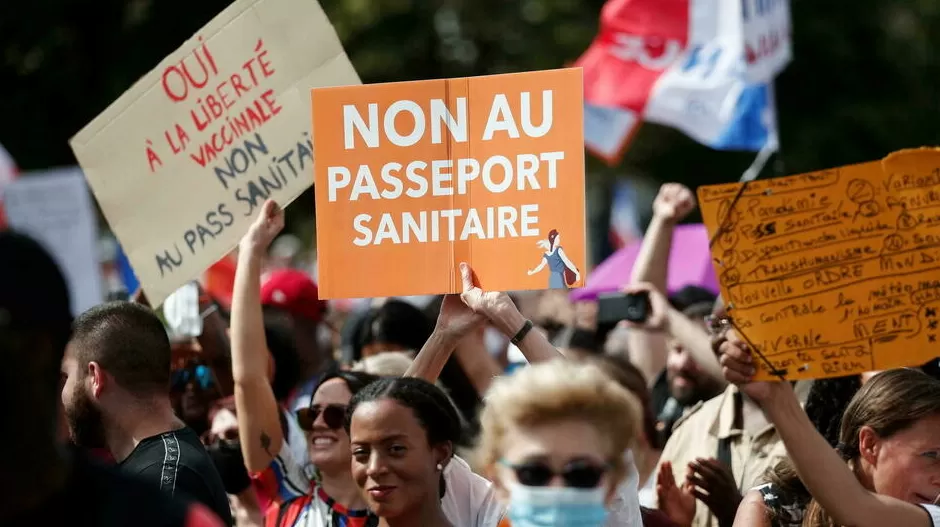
(614, 307)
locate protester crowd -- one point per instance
(484, 409)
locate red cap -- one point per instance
(295, 292)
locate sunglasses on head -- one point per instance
(576, 474)
(200, 374)
(334, 415)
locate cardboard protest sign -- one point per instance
(834, 272)
(54, 207)
(182, 162)
(413, 178)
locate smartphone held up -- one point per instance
(632, 307)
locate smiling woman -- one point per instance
(402, 434)
(888, 438)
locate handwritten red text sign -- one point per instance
(183, 160)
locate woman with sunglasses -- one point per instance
(193, 389)
(325, 496)
(555, 437)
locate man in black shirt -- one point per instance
(116, 394)
(43, 482)
(93, 494)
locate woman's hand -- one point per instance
(456, 320)
(532, 272)
(673, 203)
(490, 304)
(737, 366)
(677, 503)
(264, 229)
(658, 319)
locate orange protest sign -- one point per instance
(834, 272)
(413, 178)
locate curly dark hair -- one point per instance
(430, 405)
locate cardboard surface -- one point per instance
(182, 162)
(835, 272)
(413, 178)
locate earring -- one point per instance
(440, 467)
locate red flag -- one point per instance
(637, 42)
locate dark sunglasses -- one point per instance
(334, 415)
(575, 474)
(200, 374)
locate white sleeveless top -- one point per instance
(934, 512)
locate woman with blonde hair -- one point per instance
(554, 440)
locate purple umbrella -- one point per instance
(689, 264)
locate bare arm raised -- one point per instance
(820, 468)
(259, 427)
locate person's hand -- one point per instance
(673, 203)
(456, 320)
(491, 304)
(532, 272)
(264, 229)
(713, 484)
(737, 365)
(658, 319)
(676, 502)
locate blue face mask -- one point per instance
(556, 506)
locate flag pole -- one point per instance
(771, 145)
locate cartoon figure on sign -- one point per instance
(562, 273)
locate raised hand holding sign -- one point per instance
(834, 272)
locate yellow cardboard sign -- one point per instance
(835, 272)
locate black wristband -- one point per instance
(526, 328)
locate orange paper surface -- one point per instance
(413, 178)
(834, 272)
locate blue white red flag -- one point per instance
(701, 66)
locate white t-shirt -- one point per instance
(625, 507)
(647, 492)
